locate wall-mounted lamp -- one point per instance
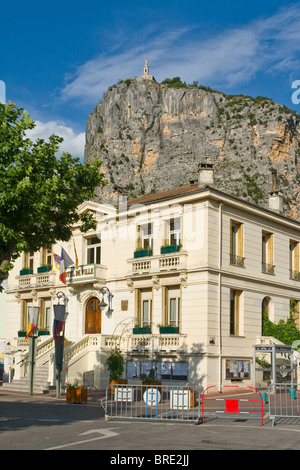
(102, 304)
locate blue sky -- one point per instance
(59, 57)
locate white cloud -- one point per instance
(73, 143)
(231, 56)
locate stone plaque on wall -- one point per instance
(124, 305)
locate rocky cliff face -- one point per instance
(151, 137)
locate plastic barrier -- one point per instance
(233, 405)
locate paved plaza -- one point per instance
(44, 422)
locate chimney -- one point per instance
(206, 174)
(275, 196)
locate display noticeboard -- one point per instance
(237, 369)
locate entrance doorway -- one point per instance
(93, 316)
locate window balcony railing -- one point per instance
(155, 264)
(85, 273)
(237, 260)
(295, 275)
(35, 280)
(267, 268)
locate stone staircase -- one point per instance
(41, 384)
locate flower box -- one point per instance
(76, 395)
(169, 249)
(25, 271)
(44, 269)
(182, 399)
(113, 383)
(43, 332)
(141, 253)
(167, 330)
(141, 330)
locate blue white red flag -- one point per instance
(57, 328)
(62, 262)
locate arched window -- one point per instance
(267, 307)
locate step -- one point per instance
(40, 385)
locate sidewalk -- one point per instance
(94, 397)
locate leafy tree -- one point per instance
(286, 332)
(39, 193)
(174, 82)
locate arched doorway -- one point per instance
(93, 316)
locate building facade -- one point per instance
(185, 274)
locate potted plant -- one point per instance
(115, 364)
(149, 380)
(75, 393)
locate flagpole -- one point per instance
(33, 313)
(32, 357)
(60, 316)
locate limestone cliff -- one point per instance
(152, 136)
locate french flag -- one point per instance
(57, 328)
(63, 261)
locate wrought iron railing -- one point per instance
(237, 260)
(267, 268)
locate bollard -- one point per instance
(264, 396)
(292, 393)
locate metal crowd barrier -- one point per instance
(158, 402)
(283, 400)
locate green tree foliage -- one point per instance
(286, 332)
(115, 364)
(174, 82)
(39, 193)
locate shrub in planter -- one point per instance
(75, 393)
(115, 364)
(150, 380)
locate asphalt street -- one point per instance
(44, 422)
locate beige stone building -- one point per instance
(185, 274)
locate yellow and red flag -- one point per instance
(29, 331)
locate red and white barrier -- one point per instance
(233, 405)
